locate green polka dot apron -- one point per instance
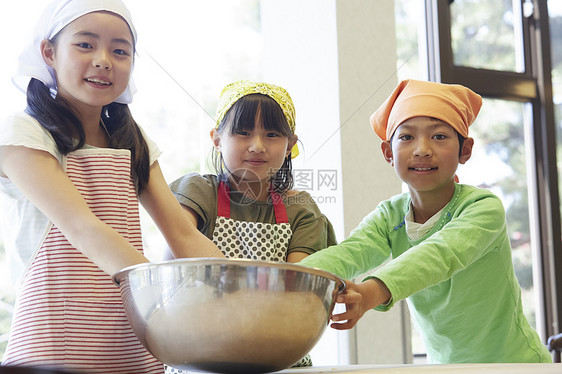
(251, 240)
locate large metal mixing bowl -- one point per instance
(228, 316)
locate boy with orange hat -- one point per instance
(449, 251)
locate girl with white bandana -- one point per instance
(73, 167)
(249, 208)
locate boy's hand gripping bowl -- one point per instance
(228, 316)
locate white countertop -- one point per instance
(426, 369)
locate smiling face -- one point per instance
(254, 154)
(425, 154)
(92, 58)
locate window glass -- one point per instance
(486, 34)
(408, 26)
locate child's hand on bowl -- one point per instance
(359, 298)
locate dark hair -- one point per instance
(461, 142)
(242, 117)
(57, 116)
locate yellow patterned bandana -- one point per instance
(235, 91)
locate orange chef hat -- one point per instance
(452, 103)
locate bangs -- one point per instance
(243, 114)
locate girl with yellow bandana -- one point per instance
(248, 208)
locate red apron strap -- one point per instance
(223, 204)
(223, 201)
(279, 207)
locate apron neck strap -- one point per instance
(223, 200)
(223, 203)
(278, 206)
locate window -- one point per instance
(486, 35)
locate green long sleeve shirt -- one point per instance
(458, 279)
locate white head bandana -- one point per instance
(56, 16)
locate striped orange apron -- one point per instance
(68, 312)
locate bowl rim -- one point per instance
(122, 274)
